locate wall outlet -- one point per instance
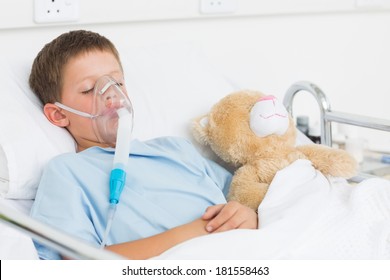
(218, 6)
(56, 10)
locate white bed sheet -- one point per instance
(306, 216)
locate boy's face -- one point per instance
(79, 78)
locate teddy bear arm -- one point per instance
(330, 161)
(246, 187)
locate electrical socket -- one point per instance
(218, 6)
(46, 11)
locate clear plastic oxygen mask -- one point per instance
(112, 121)
(110, 104)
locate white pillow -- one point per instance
(169, 85)
(27, 139)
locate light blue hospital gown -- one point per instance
(168, 184)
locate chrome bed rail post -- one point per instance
(50, 237)
(323, 103)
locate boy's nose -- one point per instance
(112, 101)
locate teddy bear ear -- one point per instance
(200, 129)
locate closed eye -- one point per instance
(91, 89)
(87, 91)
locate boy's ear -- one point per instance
(55, 116)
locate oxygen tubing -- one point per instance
(118, 173)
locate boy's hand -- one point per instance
(232, 215)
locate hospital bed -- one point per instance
(169, 84)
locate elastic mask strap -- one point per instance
(77, 112)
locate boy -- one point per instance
(172, 194)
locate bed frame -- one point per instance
(327, 116)
(74, 248)
(63, 243)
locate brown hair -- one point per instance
(47, 69)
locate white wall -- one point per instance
(346, 53)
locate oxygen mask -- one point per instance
(110, 102)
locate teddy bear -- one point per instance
(254, 133)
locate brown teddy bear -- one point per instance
(254, 132)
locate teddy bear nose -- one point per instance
(267, 97)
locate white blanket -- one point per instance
(306, 216)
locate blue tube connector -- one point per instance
(117, 182)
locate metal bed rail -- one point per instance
(50, 237)
(327, 116)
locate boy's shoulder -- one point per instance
(154, 146)
(166, 146)
(63, 159)
(170, 143)
(167, 140)
(72, 158)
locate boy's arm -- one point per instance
(217, 218)
(157, 244)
